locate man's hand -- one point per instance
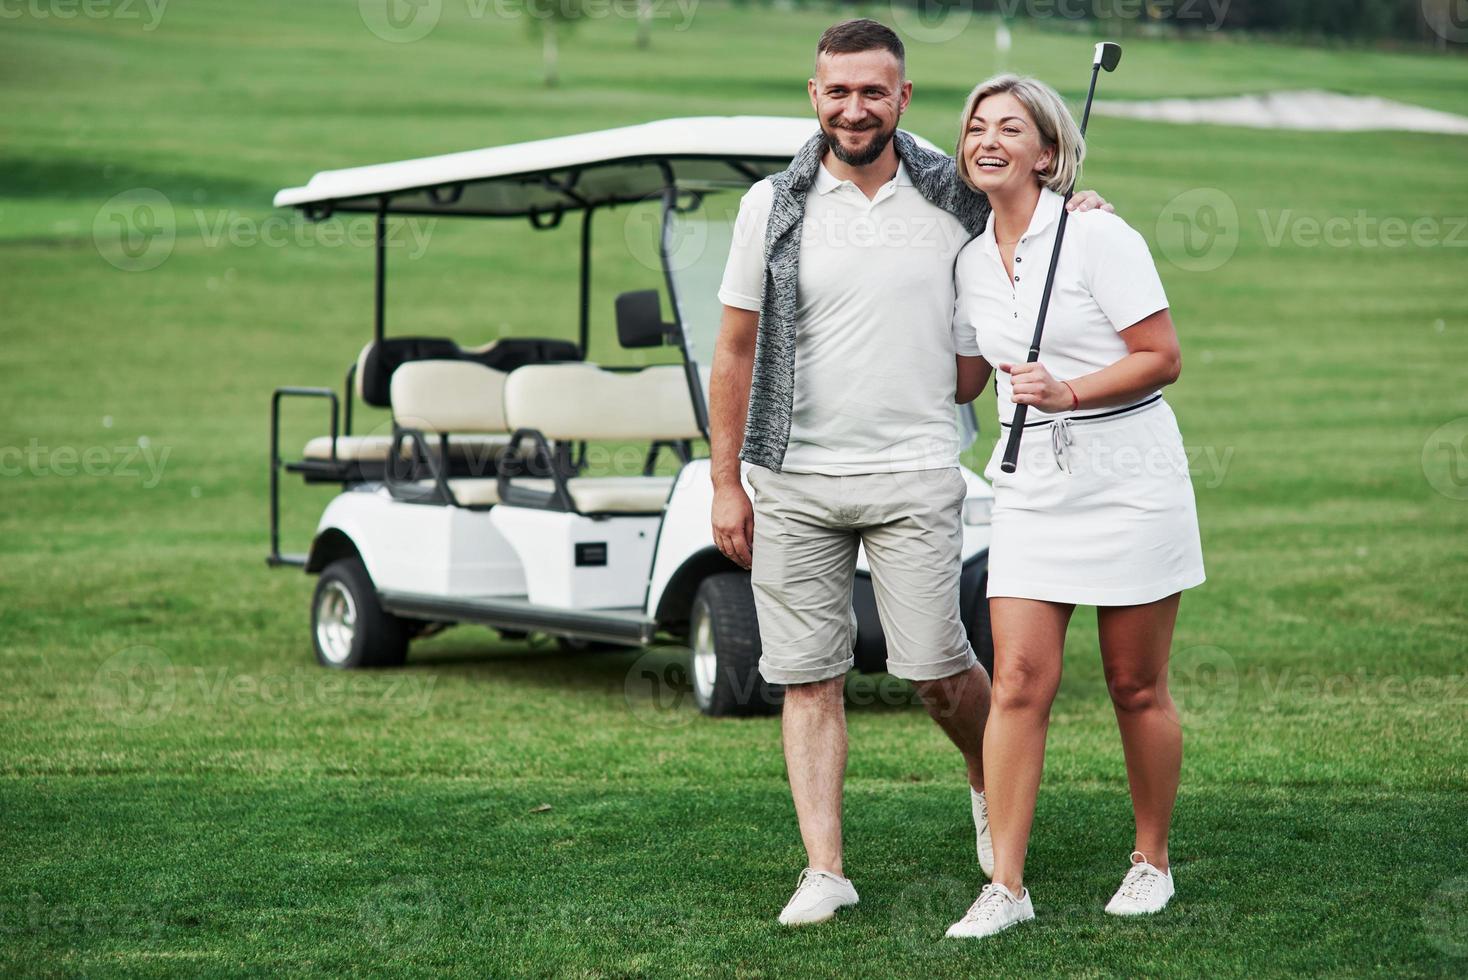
(733, 372)
(733, 517)
(1088, 201)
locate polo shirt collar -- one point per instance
(826, 182)
(1047, 214)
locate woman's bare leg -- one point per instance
(1136, 642)
(1029, 637)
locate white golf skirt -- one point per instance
(1098, 512)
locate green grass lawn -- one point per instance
(183, 791)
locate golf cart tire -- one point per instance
(726, 601)
(377, 638)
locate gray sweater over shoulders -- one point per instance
(772, 387)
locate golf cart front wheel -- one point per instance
(349, 627)
(723, 635)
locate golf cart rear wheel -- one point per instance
(723, 635)
(349, 627)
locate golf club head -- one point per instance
(1108, 55)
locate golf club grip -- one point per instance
(1011, 448)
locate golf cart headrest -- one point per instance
(378, 361)
(509, 353)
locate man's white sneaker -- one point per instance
(995, 910)
(1143, 891)
(817, 897)
(981, 825)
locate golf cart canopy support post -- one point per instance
(379, 315)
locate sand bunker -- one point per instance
(1311, 109)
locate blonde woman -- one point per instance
(1100, 509)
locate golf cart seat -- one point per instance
(371, 378)
(583, 402)
(374, 448)
(437, 398)
(372, 375)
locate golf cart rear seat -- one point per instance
(431, 400)
(580, 402)
(372, 384)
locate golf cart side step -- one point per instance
(610, 625)
(294, 560)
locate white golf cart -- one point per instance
(479, 505)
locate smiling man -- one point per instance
(834, 378)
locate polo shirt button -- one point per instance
(1016, 278)
(1018, 259)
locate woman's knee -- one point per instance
(1024, 682)
(1132, 693)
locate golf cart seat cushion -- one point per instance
(611, 494)
(374, 448)
(349, 449)
(583, 401)
(378, 362)
(449, 396)
(471, 492)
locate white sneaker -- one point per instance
(995, 910)
(1143, 891)
(817, 897)
(981, 824)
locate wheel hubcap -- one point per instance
(336, 622)
(705, 662)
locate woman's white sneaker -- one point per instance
(995, 910)
(1144, 890)
(981, 825)
(817, 896)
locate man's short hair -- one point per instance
(863, 34)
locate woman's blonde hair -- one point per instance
(1058, 130)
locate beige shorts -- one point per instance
(806, 530)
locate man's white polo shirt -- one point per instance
(874, 350)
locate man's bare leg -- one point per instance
(960, 706)
(813, 726)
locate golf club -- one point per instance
(1108, 56)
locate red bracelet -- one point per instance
(1075, 400)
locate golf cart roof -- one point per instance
(545, 178)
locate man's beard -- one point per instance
(862, 157)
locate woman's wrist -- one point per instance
(1075, 399)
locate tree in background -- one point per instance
(644, 23)
(549, 20)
